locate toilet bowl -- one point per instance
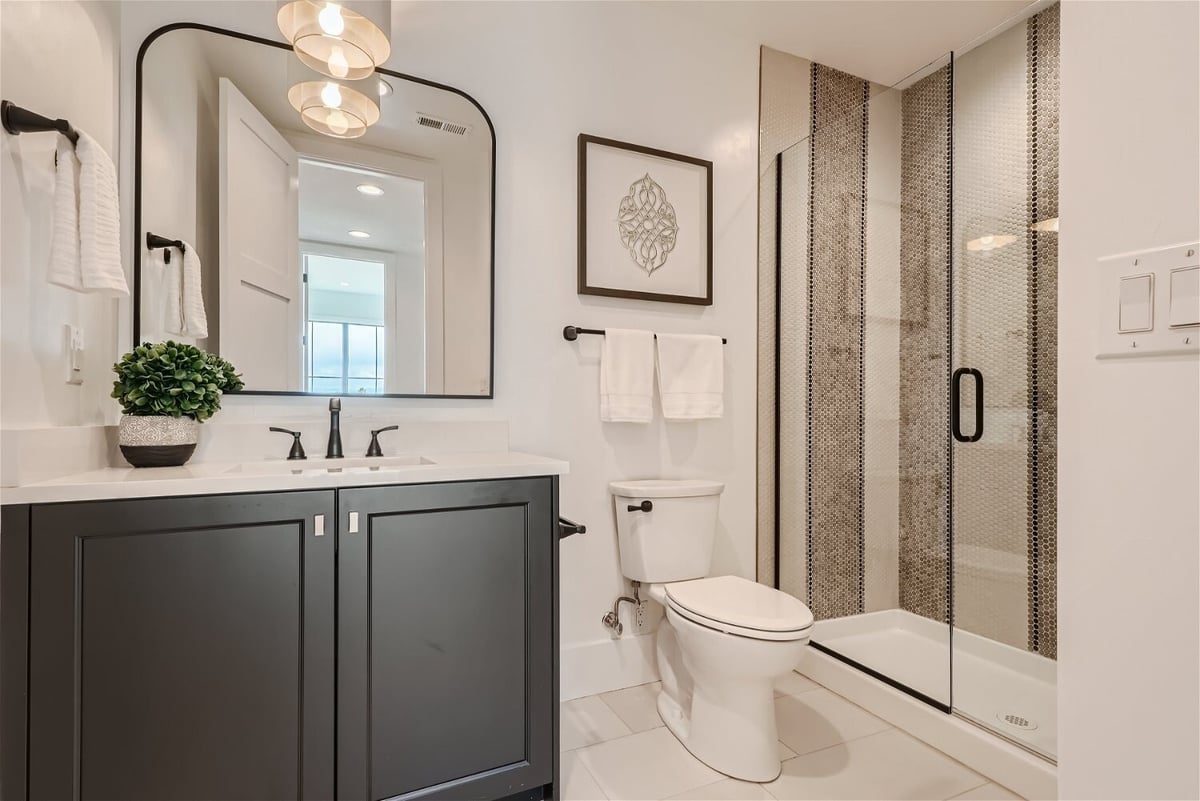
(725, 640)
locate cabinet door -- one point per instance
(446, 658)
(183, 648)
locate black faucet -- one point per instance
(297, 451)
(334, 449)
(373, 449)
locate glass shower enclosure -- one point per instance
(914, 295)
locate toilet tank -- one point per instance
(673, 540)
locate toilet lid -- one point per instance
(740, 603)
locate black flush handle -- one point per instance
(644, 506)
(956, 404)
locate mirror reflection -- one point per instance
(315, 264)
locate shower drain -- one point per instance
(1016, 721)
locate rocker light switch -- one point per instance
(1185, 297)
(1137, 303)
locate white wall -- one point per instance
(58, 59)
(1129, 469)
(546, 72)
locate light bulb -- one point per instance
(338, 122)
(339, 67)
(331, 96)
(331, 20)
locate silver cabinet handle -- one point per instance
(353, 528)
(319, 526)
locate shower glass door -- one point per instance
(862, 274)
(1003, 324)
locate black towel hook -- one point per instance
(155, 241)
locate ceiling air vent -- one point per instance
(438, 124)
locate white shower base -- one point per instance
(991, 680)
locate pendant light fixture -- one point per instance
(345, 41)
(341, 109)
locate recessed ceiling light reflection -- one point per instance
(990, 242)
(371, 190)
(359, 234)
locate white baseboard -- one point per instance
(609, 664)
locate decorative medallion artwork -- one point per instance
(647, 225)
(650, 217)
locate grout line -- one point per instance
(969, 789)
(889, 728)
(579, 763)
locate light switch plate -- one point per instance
(1128, 326)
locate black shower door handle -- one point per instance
(956, 403)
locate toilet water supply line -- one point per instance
(612, 618)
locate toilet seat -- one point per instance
(738, 606)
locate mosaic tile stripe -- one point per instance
(924, 331)
(1043, 65)
(836, 259)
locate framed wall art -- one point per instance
(645, 223)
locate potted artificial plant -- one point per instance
(166, 390)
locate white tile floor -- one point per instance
(615, 747)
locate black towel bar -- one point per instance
(155, 241)
(19, 120)
(572, 332)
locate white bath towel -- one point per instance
(85, 253)
(64, 235)
(182, 295)
(691, 376)
(627, 376)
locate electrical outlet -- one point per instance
(74, 355)
(646, 617)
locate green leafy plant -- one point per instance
(173, 379)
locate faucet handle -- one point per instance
(297, 451)
(373, 449)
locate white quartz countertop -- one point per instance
(278, 475)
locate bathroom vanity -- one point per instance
(353, 633)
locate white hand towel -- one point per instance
(627, 376)
(691, 376)
(64, 236)
(172, 289)
(191, 304)
(182, 298)
(99, 220)
(86, 246)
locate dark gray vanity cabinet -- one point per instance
(359, 644)
(446, 640)
(182, 648)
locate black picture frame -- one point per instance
(135, 290)
(584, 286)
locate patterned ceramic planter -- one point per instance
(157, 441)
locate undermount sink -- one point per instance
(319, 467)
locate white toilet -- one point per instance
(726, 639)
